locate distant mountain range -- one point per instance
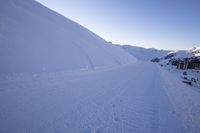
(143, 53)
(162, 56)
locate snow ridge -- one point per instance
(34, 38)
(144, 53)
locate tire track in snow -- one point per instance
(90, 64)
(122, 108)
(129, 99)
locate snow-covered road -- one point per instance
(137, 98)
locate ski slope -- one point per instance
(136, 98)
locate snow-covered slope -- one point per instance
(34, 38)
(137, 98)
(183, 64)
(144, 53)
(179, 55)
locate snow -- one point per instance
(144, 53)
(57, 76)
(147, 54)
(183, 54)
(35, 39)
(139, 97)
(185, 100)
(180, 54)
(191, 52)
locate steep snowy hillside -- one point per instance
(34, 38)
(144, 53)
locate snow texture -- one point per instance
(144, 53)
(147, 54)
(35, 39)
(44, 87)
(136, 98)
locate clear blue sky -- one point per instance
(163, 24)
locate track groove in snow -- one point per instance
(130, 99)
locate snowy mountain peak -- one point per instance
(191, 52)
(195, 51)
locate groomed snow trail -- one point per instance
(129, 99)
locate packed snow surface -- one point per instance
(35, 39)
(136, 98)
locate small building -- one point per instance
(187, 63)
(194, 63)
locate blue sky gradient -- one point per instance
(162, 24)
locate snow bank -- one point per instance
(35, 38)
(185, 101)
